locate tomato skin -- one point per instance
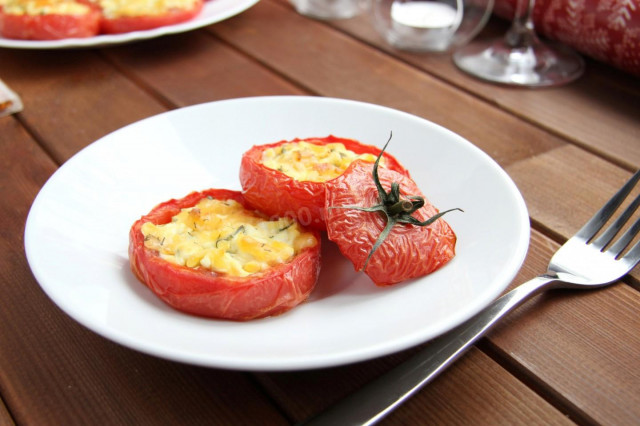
(49, 26)
(125, 24)
(277, 194)
(409, 251)
(202, 292)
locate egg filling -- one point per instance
(222, 236)
(121, 8)
(305, 161)
(44, 7)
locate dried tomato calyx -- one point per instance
(393, 207)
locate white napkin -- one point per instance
(10, 102)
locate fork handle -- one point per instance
(381, 396)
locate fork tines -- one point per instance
(595, 224)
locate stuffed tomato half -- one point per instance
(210, 254)
(48, 19)
(123, 16)
(289, 178)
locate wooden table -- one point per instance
(563, 357)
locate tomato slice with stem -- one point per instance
(388, 250)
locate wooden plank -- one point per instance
(546, 182)
(72, 97)
(576, 350)
(600, 111)
(564, 187)
(97, 93)
(209, 70)
(54, 371)
(291, 44)
(475, 390)
(5, 417)
(46, 358)
(357, 73)
(579, 349)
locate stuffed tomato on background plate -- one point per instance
(48, 20)
(77, 231)
(212, 11)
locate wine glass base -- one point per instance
(538, 65)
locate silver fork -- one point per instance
(584, 261)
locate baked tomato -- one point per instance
(288, 178)
(385, 226)
(48, 19)
(209, 254)
(123, 16)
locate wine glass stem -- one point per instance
(522, 33)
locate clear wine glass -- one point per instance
(520, 58)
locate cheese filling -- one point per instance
(120, 8)
(305, 161)
(224, 237)
(44, 7)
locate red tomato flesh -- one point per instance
(202, 292)
(409, 251)
(275, 193)
(46, 26)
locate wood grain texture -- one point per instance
(72, 98)
(584, 343)
(547, 180)
(563, 357)
(579, 348)
(475, 390)
(358, 72)
(53, 371)
(564, 187)
(600, 111)
(5, 417)
(209, 70)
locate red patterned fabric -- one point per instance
(606, 30)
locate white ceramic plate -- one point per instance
(212, 12)
(77, 235)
